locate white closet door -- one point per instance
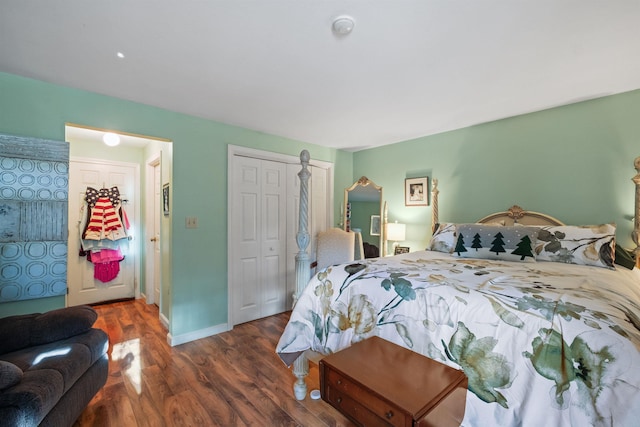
(259, 227)
(274, 240)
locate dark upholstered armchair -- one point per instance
(51, 366)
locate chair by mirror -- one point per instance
(363, 210)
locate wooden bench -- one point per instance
(378, 383)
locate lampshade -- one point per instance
(396, 232)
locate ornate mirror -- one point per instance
(362, 210)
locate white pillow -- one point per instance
(573, 244)
(443, 238)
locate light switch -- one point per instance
(191, 222)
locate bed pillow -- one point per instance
(443, 238)
(507, 243)
(583, 245)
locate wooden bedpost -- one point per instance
(303, 272)
(636, 219)
(383, 229)
(434, 204)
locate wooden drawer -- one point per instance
(344, 388)
(352, 409)
(378, 383)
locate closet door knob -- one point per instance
(154, 239)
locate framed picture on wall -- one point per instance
(375, 225)
(416, 191)
(165, 199)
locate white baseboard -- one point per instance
(164, 321)
(196, 335)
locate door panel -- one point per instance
(83, 287)
(274, 243)
(246, 287)
(258, 277)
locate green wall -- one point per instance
(573, 162)
(196, 266)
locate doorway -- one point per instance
(146, 154)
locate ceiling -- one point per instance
(409, 68)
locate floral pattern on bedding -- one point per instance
(564, 334)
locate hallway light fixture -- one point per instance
(111, 139)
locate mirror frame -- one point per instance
(364, 182)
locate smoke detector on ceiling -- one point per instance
(343, 25)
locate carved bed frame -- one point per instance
(515, 214)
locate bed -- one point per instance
(535, 312)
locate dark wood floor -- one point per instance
(231, 379)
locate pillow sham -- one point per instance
(443, 238)
(507, 243)
(578, 244)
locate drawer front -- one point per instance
(392, 415)
(354, 410)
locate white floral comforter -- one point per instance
(543, 344)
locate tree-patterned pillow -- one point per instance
(513, 243)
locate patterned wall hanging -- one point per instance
(34, 191)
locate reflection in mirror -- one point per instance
(362, 211)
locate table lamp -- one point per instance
(396, 233)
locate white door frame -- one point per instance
(235, 150)
(152, 162)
